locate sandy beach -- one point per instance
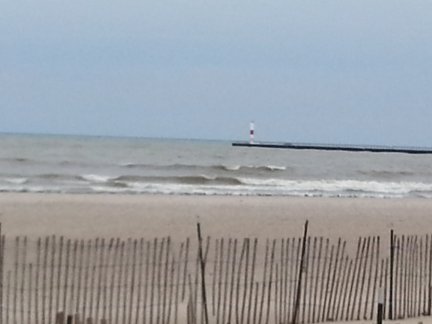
(136, 216)
(84, 216)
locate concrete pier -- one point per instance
(334, 147)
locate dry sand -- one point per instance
(81, 216)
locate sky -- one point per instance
(323, 71)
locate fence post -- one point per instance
(1, 275)
(430, 278)
(60, 319)
(297, 302)
(202, 263)
(391, 275)
(380, 306)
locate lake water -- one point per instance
(79, 164)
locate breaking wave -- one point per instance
(214, 185)
(16, 181)
(187, 167)
(386, 174)
(191, 180)
(216, 167)
(250, 168)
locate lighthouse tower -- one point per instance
(251, 132)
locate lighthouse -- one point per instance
(251, 132)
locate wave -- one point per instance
(336, 188)
(216, 167)
(342, 188)
(213, 185)
(17, 160)
(51, 176)
(73, 163)
(386, 174)
(16, 181)
(96, 178)
(250, 168)
(193, 180)
(127, 180)
(56, 178)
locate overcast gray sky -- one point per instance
(352, 71)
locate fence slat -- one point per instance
(337, 278)
(86, 279)
(140, 277)
(365, 263)
(305, 280)
(116, 249)
(327, 279)
(132, 284)
(15, 285)
(51, 313)
(251, 289)
(366, 305)
(140, 281)
(315, 310)
(23, 305)
(358, 276)
(270, 281)
(178, 269)
(263, 289)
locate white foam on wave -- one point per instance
(232, 167)
(277, 187)
(97, 178)
(254, 167)
(33, 189)
(100, 189)
(16, 181)
(340, 187)
(276, 167)
(244, 186)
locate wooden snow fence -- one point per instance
(59, 280)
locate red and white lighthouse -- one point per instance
(251, 132)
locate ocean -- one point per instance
(93, 165)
